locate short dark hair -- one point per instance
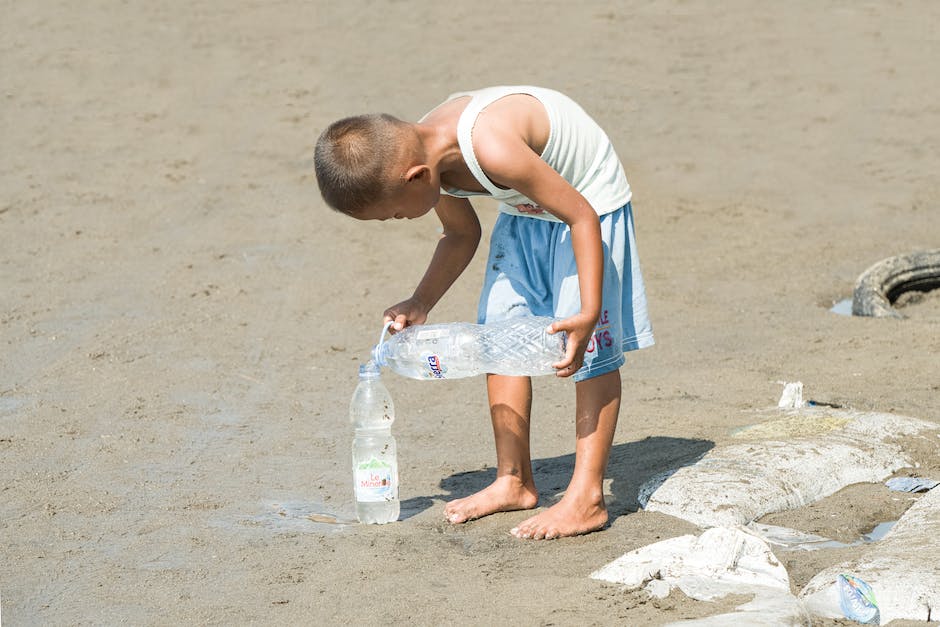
(352, 160)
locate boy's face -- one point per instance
(412, 200)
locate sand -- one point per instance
(181, 318)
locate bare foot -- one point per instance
(568, 517)
(506, 494)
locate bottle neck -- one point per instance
(369, 371)
(380, 354)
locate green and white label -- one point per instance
(374, 481)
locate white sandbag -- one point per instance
(903, 569)
(799, 458)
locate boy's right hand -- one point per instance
(579, 329)
(405, 314)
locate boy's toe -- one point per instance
(521, 532)
(550, 533)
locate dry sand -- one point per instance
(181, 318)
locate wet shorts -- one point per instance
(531, 271)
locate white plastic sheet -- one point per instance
(721, 561)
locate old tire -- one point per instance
(879, 286)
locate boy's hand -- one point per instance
(579, 328)
(405, 314)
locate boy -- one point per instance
(563, 246)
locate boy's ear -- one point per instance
(416, 173)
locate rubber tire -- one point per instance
(879, 286)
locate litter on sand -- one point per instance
(721, 561)
(792, 397)
(704, 567)
(911, 484)
(857, 600)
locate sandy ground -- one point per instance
(181, 318)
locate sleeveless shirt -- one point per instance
(577, 148)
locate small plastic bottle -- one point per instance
(374, 454)
(518, 346)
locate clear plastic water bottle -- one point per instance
(374, 454)
(518, 346)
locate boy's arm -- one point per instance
(510, 162)
(455, 249)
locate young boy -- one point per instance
(563, 246)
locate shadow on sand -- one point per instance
(631, 465)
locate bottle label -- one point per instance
(436, 369)
(374, 482)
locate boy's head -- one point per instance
(371, 167)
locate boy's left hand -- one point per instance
(579, 328)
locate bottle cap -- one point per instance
(369, 370)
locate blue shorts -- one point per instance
(531, 271)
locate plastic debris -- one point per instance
(857, 600)
(792, 397)
(911, 484)
(769, 607)
(793, 540)
(721, 561)
(704, 567)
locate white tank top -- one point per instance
(577, 148)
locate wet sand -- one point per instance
(181, 318)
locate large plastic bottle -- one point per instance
(374, 454)
(517, 346)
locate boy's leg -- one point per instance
(513, 489)
(582, 508)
